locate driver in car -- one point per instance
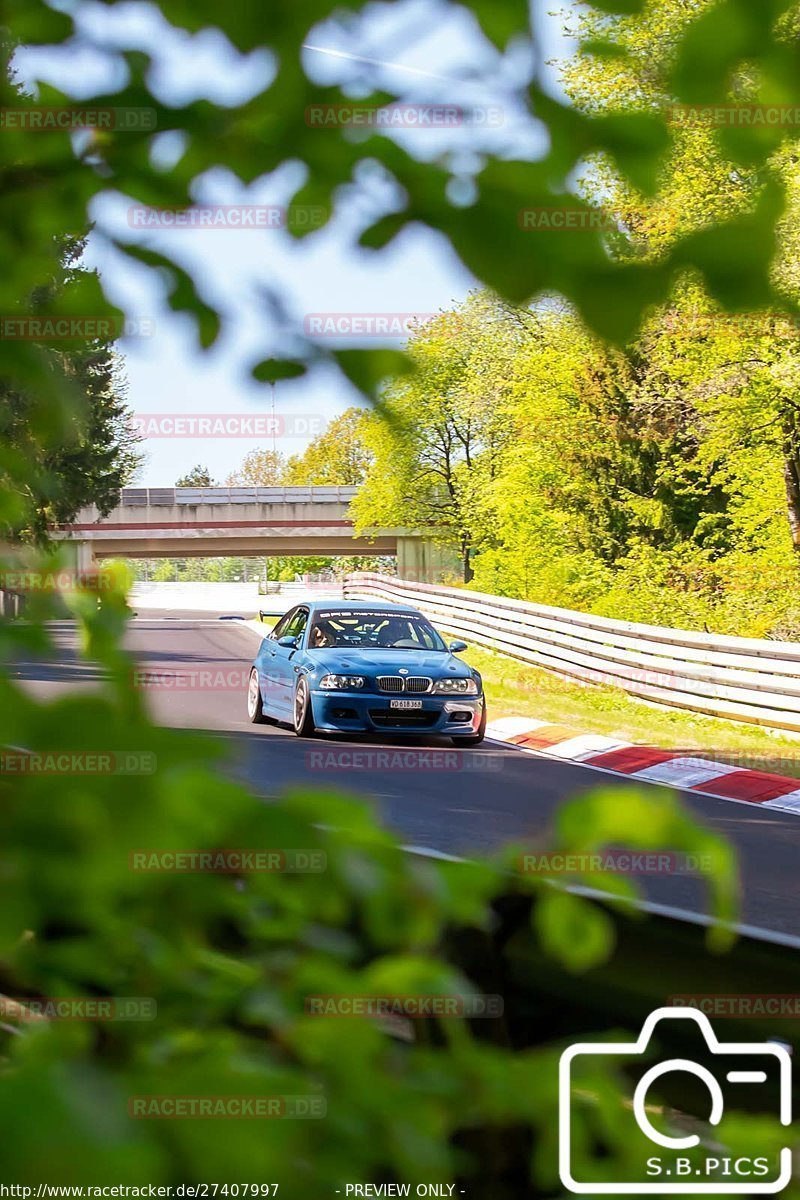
(322, 634)
(393, 631)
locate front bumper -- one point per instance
(351, 712)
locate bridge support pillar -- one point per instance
(86, 559)
(82, 556)
(423, 561)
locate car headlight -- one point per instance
(341, 683)
(456, 687)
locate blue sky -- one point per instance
(430, 53)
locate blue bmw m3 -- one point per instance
(364, 666)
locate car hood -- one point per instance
(389, 662)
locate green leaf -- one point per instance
(596, 47)
(501, 20)
(737, 257)
(182, 295)
(574, 931)
(270, 370)
(717, 42)
(383, 231)
(368, 369)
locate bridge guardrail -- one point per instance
(741, 679)
(142, 497)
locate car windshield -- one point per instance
(368, 630)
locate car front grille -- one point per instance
(396, 683)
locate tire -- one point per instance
(254, 702)
(474, 739)
(303, 712)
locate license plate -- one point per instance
(405, 704)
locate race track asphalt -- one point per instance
(484, 799)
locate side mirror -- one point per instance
(262, 616)
(457, 647)
(289, 642)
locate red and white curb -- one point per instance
(648, 763)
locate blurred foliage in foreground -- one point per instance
(230, 962)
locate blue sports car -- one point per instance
(362, 666)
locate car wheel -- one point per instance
(474, 739)
(303, 713)
(254, 702)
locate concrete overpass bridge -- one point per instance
(242, 521)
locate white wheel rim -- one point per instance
(300, 705)
(253, 695)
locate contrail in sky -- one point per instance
(377, 62)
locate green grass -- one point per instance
(514, 689)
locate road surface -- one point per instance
(496, 796)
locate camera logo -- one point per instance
(683, 1166)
